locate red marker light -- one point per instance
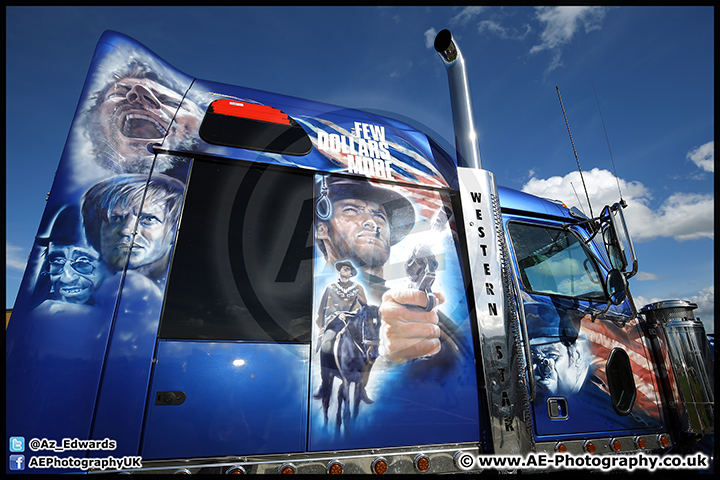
(589, 446)
(253, 111)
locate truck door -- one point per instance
(581, 363)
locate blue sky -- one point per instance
(651, 67)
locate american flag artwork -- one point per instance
(408, 163)
(571, 346)
(604, 336)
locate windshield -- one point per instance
(553, 261)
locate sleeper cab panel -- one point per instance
(237, 399)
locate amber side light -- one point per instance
(379, 466)
(287, 469)
(589, 446)
(334, 468)
(422, 463)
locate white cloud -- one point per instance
(644, 276)
(704, 156)
(682, 216)
(494, 27)
(466, 14)
(705, 300)
(602, 187)
(560, 26)
(15, 257)
(555, 62)
(430, 35)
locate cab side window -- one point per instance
(242, 267)
(552, 261)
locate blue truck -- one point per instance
(227, 280)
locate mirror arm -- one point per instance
(567, 227)
(632, 305)
(594, 226)
(594, 316)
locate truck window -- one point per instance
(242, 267)
(553, 261)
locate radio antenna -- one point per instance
(574, 151)
(578, 198)
(622, 202)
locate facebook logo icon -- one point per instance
(17, 462)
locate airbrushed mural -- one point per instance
(103, 221)
(109, 226)
(570, 352)
(132, 102)
(392, 337)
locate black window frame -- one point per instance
(525, 283)
(247, 306)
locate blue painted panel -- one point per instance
(53, 366)
(123, 395)
(340, 136)
(517, 200)
(67, 320)
(573, 366)
(241, 399)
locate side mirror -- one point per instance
(616, 286)
(617, 241)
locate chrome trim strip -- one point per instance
(400, 460)
(496, 315)
(602, 445)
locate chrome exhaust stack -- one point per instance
(466, 141)
(501, 326)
